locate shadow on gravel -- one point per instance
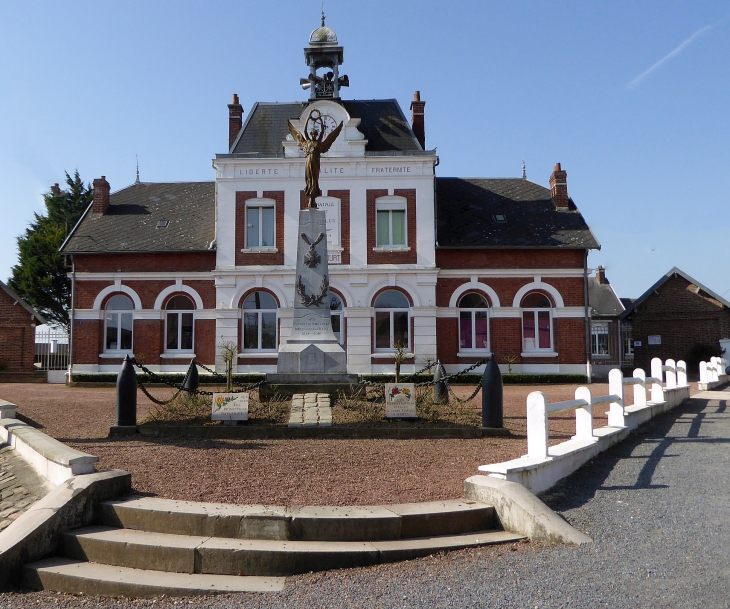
(578, 488)
(28, 421)
(201, 443)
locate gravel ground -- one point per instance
(282, 472)
(656, 507)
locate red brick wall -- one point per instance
(509, 259)
(344, 197)
(395, 257)
(149, 335)
(17, 335)
(88, 341)
(171, 261)
(205, 341)
(247, 258)
(683, 318)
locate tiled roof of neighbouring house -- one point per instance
(505, 213)
(602, 298)
(149, 217)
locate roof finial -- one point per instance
(524, 170)
(137, 180)
(322, 14)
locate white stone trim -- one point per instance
(178, 286)
(145, 276)
(117, 287)
(385, 283)
(538, 285)
(471, 287)
(569, 312)
(85, 314)
(490, 273)
(256, 285)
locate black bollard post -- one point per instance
(440, 390)
(492, 396)
(190, 383)
(127, 395)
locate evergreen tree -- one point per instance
(40, 275)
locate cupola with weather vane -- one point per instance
(325, 54)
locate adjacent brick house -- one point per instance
(678, 318)
(451, 268)
(17, 332)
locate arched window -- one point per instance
(473, 322)
(537, 322)
(119, 325)
(391, 320)
(259, 322)
(179, 324)
(337, 318)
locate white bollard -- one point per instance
(681, 373)
(616, 387)
(657, 393)
(537, 425)
(584, 416)
(671, 375)
(640, 390)
(704, 375)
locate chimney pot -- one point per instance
(235, 120)
(559, 188)
(417, 119)
(101, 196)
(601, 276)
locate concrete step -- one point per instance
(228, 556)
(66, 575)
(312, 523)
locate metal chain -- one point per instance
(223, 376)
(446, 379)
(181, 387)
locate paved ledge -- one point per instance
(519, 511)
(53, 460)
(7, 410)
(36, 534)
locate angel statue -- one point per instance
(314, 144)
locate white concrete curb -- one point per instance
(53, 460)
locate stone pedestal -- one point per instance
(312, 356)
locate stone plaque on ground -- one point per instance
(230, 407)
(400, 401)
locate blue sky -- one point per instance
(631, 97)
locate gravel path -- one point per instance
(656, 506)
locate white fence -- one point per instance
(544, 465)
(712, 372)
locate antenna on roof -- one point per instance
(137, 180)
(322, 14)
(524, 170)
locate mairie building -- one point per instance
(450, 268)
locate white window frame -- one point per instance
(179, 313)
(391, 204)
(599, 329)
(259, 313)
(472, 349)
(549, 351)
(627, 340)
(118, 313)
(391, 342)
(258, 204)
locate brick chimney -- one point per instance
(417, 119)
(101, 196)
(601, 276)
(235, 120)
(55, 189)
(559, 188)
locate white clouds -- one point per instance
(641, 77)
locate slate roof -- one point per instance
(671, 273)
(382, 122)
(602, 299)
(10, 292)
(130, 222)
(468, 210)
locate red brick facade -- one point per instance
(687, 319)
(17, 335)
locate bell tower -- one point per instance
(324, 53)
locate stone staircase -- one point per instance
(146, 547)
